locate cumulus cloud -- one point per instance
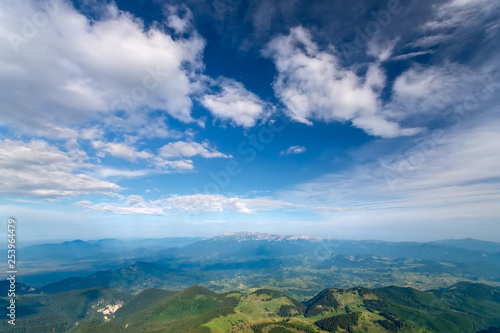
(292, 150)
(178, 165)
(38, 169)
(189, 149)
(75, 69)
(186, 204)
(120, 150)
(174, 156)
(178, 18)
(235, 104)
(314, 86)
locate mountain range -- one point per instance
(300, 265)
(254, 282)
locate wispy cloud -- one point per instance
(454, 175)
(452, 18)
(411, 55)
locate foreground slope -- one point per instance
(464, 307)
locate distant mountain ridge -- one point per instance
(46, 263)
(76, 249)
(471, 244)
(257, 259)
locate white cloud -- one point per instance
(111, 68)
(174, 156)
(75, 69)
(104, 172)
(205, 203)
(37, 169)
(187, 204)
(313, 86)
(91, 133)
(174, 20)
(293, 150)
(133, 204)
(120, 150)
(236, 104)
(189, 149)
(178, 165)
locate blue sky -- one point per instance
(185, 118)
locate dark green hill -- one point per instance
(285, 310)
(60, 312)
(177, 312)
(142, 301)
(477, 291)
(461, 308)
(323, 302)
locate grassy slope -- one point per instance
(467, 310)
